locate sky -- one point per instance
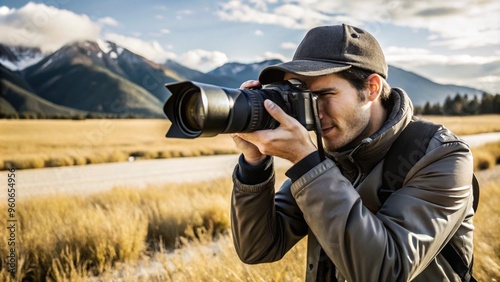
(450, 42)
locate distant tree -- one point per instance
(458, 105)
(78, 117)
(472, 107)
(436, 109)
(418, 110)
(28, 115)
(432, 109)
(496, 104)
(448, 106)
(487, 103)
(427, 108)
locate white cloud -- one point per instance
(457, 24)
(38, 25)
(183, 13)
(490, 78)
(4, 10)
(258, 32)
(202, 60)
(152, 50)
(288, 46)
(108, 21)
(463, 69)
(418, 56)
(272, 55)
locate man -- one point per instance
(352, 235)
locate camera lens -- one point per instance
(193, 111)
(197, 109)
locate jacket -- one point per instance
(335, 204)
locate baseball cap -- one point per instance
(331, 49)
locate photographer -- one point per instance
(353, 234)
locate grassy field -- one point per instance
(173, 233)
(50, 143)
(465, 125)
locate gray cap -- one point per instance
(330, 49)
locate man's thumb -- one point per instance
(276, 112)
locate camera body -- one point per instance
(298, 101)
(203, 110)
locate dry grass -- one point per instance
(466, 125)
(486, 156)
(487, 228)
(47, 143)
(66, 237)
(174, 233)
(204, 260)
(166, 232)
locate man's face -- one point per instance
(344, 117)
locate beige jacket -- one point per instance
(336, 205)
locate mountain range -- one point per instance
(104, 79)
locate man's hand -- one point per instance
(289, 141)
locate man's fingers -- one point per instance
(276, 112)
(249, 84)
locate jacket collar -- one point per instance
(356, 163)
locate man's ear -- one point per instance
(374, 86)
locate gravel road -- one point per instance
(84, 180)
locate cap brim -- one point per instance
(299, 67)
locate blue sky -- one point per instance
(454, 42)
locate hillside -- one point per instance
(106, 78)
(16, 96)
(101, 91)
(422, 90)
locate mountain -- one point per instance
(83, 77)
(16, 96)
(186, 73)
(422, 90)
(237, 73)
(419, 88)
(18, 57)
(102, 77)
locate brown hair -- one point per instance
(358, 79)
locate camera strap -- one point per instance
(317, 127)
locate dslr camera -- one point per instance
(203, 110)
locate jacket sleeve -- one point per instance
(409, 230)
(265, 224)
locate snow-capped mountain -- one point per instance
(17, 58)
(103, 77)
(239, 72)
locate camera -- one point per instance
(204, 110)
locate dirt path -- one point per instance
(84, 180)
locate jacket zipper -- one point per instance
(351, 159)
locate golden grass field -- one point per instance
(46, 143)
(174, 232)
(465, 125)
(50, 143)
